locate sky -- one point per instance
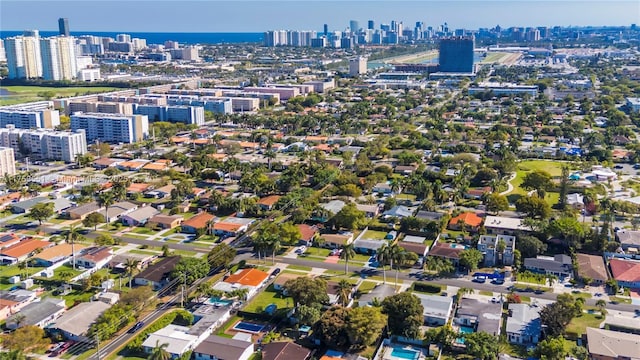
(262, 15)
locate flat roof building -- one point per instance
(45, 144)
(112, 128)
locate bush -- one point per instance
(426, 287)
(135, 344)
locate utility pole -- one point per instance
(98, 346)
(184, 281)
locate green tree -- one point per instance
(551, 348)
(332, 327)
(131, 266)
(496, 203)
(27, 338)
(533, 206)
(364, 325)
(221, 256)
(110, 321)
(567, 228)
(481, 345)
(289, 233)
(190, 269)
(139, 297)
(93, 220)
(530, 246)
(564, 188)
(348, 253)
(308, 315)
(41, 212)
(349, 217)
(307, 291)
(470, 258)
(559, 314)
(404, 313)
(538, 180)
(344, 288)
(106, 199)
(104, 239)
(159, 352)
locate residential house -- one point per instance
(447, 251)
(61, 205)
(177, 338)
(336, 241)
(40, 314)
(470, 220)
(117, 263)
(307, 233)
(379, 293)
(75, 323)
(156, 166)
(107, 297)
(218, 347)
(500, 225)
(268, 202)
(56, 254)
(559, 265)
(132, 165)
(576, 201)
(370, 211)
(232, 226)
(481, 315)
(119, 209)
(419, 249)
(488, 245)
(367, 246)
(477, 193)
(333, 291)
(23, 207)
(200, 221)
(165, 221)
(140, 216)
(436, 309)
(161, 192)
(13, 301)
(626, 272)
(384, 188)
(612, 345)
(278, 283)
(523, 324)
(81, 212)
(333, 206)
(250, 279)
(414, 239)
(629, 240)
(103, 163)
(592, 267)
(429, 215)
(157, 275)
(284, 350)
(138, 188)
(9, 239)
(94, 257)
(22, 250)
(399, 211)
(622, 323)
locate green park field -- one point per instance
(20, 94)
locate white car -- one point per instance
(301, 249)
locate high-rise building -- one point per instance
(3, 54)
(44, 144)
(456, 55)
(63, 26)
(357, 66)
(29, 119)
(112, 128)
(23, 57)
(7, 161)
(325, 29)
(58, 58)
(371, 25)
(123, 38)
(354, 26)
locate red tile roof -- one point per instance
(199, 221)
(307, 232)
(250, 277)
(269, 200)
(625, 270)
(25, 247)
(469, 218)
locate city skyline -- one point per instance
(258, 16)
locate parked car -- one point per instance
(276, 271)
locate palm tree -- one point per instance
(551, 279)
(344, 292)
(130, 266)
(274, 245)
(463, 291)
(382, 255)
(159, 352)
(73, 235)
(348, 253)
(601, 305)
(318, 240)
(396, 255)
(106, 199)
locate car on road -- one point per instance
(301, 249)
(136, 327)
(497, 281)
(480, 279)
(64, 347)
(276, 271)
(618, 167)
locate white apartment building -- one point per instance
(175, 114)
(357, 66)
(29, 119)
(7, 161)
(44, 144)
(58, 58)
(23, 57)
(112, 128)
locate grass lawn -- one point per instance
(579, 325)
(620, 300)
(494, 57)
(522, 277)
(366, 286)
(143, 230)
(581, 294)
(409, 197)
(374, 235)
(228, 324)
(135, 236)
(267, 297)
(486, 293)
(143, 252)
(552, 167)
(299, 267)
(20, 94)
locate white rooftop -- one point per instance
(501, 222)
(174, 335)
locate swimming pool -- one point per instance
(248, 327)
(402, 352)
(466, 330)
(219, 302)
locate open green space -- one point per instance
(266, 298)
(20, 94)
(552, 167)
(374, 235)
(366, 286)
(494, 57)
(579, 325)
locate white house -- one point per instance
(523, 324)
(177, 337)
(436, 309)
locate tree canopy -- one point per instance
(405, 314)
(307, 291)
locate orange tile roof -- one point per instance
(469, 218)
(58, 251)
(269, 200)
(324, 147)
(178, 139)
(199, 221)
(201, 141)
(218, 156)
(164, 161)
(316, 138)
(133, 164)
(7, 303)
(250, 277)
(226, 133)
(307, 232)
(249, 144)
(138, 187)
(226, 226)
(25, 247)
(625, 270)
(155, 166)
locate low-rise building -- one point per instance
(140, 216)
(379, 293)
(629, 239)
(119, 209)
(250, 279)
(13, 301)
(40, 314)
(488, 245)
(592, 267)
(523, 324)
(436, 309)
(165, 221)
(201, 221)
(501, 225)
(218, 347)
(284, 350)
(268, 202)
(232, 226)
(22, 250)
(335, 241)
(177, 338)
(157, 275)
(75, 323)
(57, 254)
(612, 345)
(94, 257)
(470, 220)
(481, 315)
(560, 265)
(81, 212)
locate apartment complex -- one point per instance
(357, 66)
(113, 128)
(58, 58)
(23, 57)
(182, 114)
(7, 161)
(44, 144)
(29, 119)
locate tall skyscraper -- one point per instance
(326, 30)
(371, 25)
(63, 26)
(456, 55)
(357, 66)
(23, 57)
(58, 58)
(353, 26)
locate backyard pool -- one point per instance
(219, 302)
(402, 352)
(248, 327)
(465, 329)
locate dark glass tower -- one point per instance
(456, 55)
(63, 26)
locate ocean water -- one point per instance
(161, 37)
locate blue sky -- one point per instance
(261, 15)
